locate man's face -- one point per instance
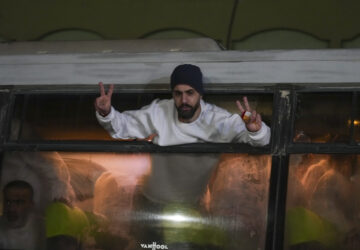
(17, 206)
(187, 102)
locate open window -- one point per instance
(134, 193)
(67, 117)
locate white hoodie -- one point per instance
(214, 124)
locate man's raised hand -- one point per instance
(103, 102)
(250, 117)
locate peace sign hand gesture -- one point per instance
(103, 102)
(251, 119)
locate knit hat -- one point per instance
(187, 74)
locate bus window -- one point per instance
(192, 200)
(323, 117)
(322, 207)
(61, 117)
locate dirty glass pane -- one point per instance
(4, 105)
(323, 202)
(323, 117)
(72, 117)
(135, 201)
(357, 121)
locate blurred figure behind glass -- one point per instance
(20, 227)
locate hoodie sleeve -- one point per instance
(130, 124)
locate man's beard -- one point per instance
(187, 113)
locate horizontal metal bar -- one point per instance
(98, 146)
(164, 89)
(77, 69)
(323, 148)
(340, 88)
(128, 88)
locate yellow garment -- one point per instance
(303, 225)
(64, 220)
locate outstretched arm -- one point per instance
(250, 117)
(133, 124)
(103, 102)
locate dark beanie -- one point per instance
(187, 74)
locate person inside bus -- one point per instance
(185, 118)
(20, 226)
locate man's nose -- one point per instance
(184, 98)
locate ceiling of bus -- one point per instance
(243, 25)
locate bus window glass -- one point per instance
(136, 200)
(357, 122)
(322, 205)
(323, 118)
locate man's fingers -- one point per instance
(258, 119)
(102, 90)
(258, 122)
(240, 107)
(253, 116)
(111, 90)
(246, 103)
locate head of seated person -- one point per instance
(18, 203)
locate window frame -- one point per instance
(280, 148)
(281, 73)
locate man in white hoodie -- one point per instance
(185, 118)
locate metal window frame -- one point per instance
(282, 146)
(282, 73)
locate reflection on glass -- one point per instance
(357, 125)
(323, 117)
(323, 204)
(139, 201)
